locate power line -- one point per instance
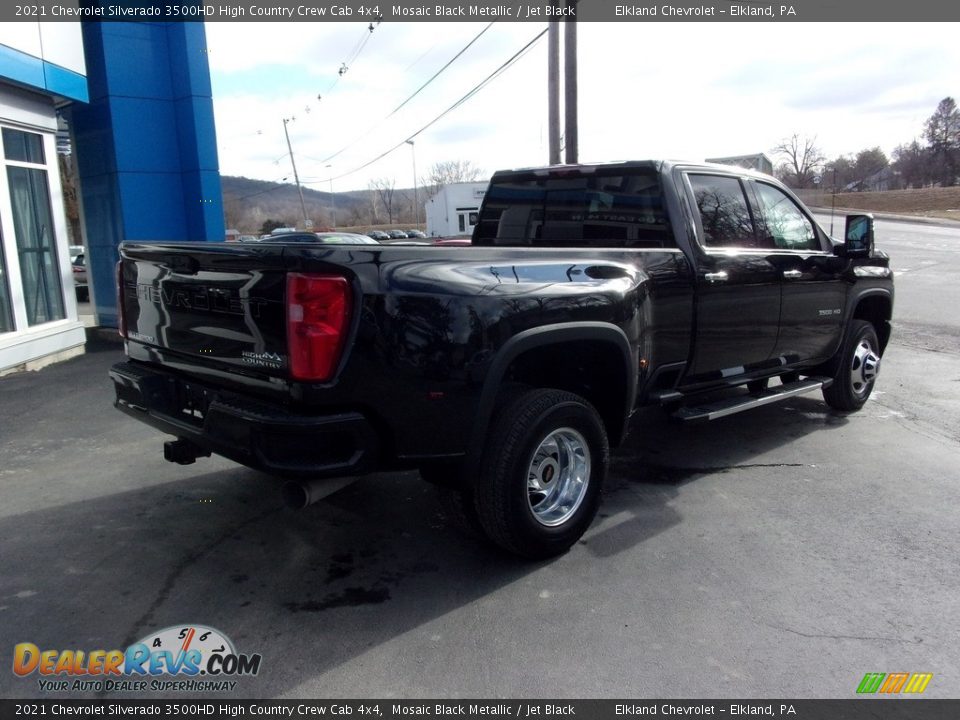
(261, 192)
(483, 83)
(476, 88)
(363, 43)
(411, 97)
(354, 54)
(344, 66)
(438, 72)
(422, 56)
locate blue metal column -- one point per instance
(145, 144)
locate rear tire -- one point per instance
(857, 368)
(542, 473)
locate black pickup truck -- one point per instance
(505, 371)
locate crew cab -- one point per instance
(505, 371)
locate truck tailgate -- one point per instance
(208, 304)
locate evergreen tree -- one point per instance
(943, 136)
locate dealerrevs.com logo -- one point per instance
(181, 658)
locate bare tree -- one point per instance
(371, 205)
(447, 172)
(360, 215)
(943, 135)
(232, 211)
(385, 189)
(803, 160)
(407, 209)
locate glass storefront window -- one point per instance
(36, 244)
(28, 185)
(6, 311)
(22, 146)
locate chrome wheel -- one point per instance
(558, 476)
(864, 366)
(541, 473)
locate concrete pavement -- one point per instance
(783, 552)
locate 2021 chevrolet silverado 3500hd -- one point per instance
(505, 371)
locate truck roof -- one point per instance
(659, 165)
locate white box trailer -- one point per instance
(455, 209)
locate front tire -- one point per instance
(857, 370)
(542, 472)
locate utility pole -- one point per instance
(333, 200)
(306, 222)
(833, 199)
(416, 193)
(570, 133)
(553, 90)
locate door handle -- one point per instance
(716, 276)
(792, 274)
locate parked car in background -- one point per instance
(415, 234)
(247, 238)
(378, 235)
(79, 264)
(345, 238)
(397, 235)
(327, 238)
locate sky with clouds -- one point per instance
(657, 90)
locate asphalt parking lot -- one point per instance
(783, 552)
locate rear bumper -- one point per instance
(256, 434)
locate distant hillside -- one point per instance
(249, 203)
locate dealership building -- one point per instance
(137, 102)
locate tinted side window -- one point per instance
(786, 224)
(621, 208)
(724, 212)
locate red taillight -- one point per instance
(121, 311)
(318, 315)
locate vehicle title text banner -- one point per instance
(504, 11)
(623, 709)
